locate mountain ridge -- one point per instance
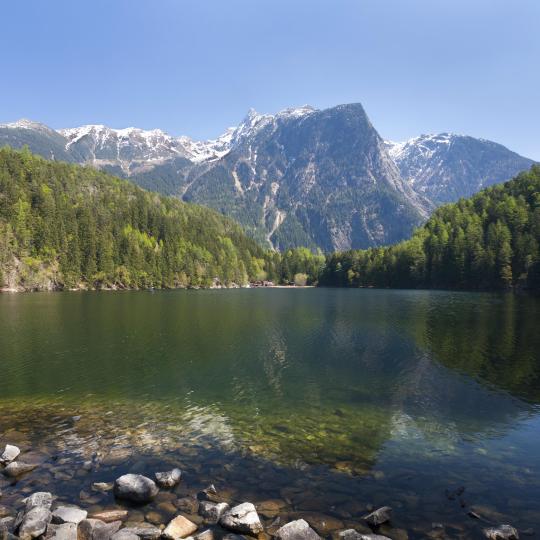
(303, 176)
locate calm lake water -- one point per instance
(324, 400)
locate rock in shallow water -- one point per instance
(66, 531)
(135, 488)
(34, 523)
(379, 516)
(212, 512)
(144, 532)
(351, 534)
(168, 479)
(95, 529)
(39, 498)
(10, 453)
(17, 468)
(179, 527)
(502, 532)
(124, 534)
(68, 514)
(242, 519)
(108, 516)
(296, 530)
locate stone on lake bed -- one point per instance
(296, 530)
(179, 527)
(10, 453)
(189, 505)
(243, 519)
(501, 532)
(168, 479)
(108, 516)
(212, 512)
(135, 488)
(17, 468)
(102, 486)
(68, 514)
(379, 516)
(35, 522)
(95, 529)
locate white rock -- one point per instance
(242, 519)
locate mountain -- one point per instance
(488, 241)
(446, 167)
(317, 178)
(67, 226)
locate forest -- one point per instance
(487, 242)
(65, 226)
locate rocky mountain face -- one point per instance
(317, 178)
(446, 167)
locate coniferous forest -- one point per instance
(65, 226)
(487, 242)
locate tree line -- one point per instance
(65, 226)
(487, 242)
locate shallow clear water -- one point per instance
(328, 400)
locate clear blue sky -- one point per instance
(195, 67)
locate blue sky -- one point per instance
(196, 67)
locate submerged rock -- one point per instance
(108, 516)
(135, 488)
(179, 527)
(168, 479)
(10, 453)
(212, 512)
(189, 505)
(242, 519)
(95, 529)
(102, 486)
(296, 530)
(501, 532)
(17, 468)
(68, 514)
(379, 516)
(35, 522)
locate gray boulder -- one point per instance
(379, 516)
(34, 523)
(124, 534)
(39, 498)
(168, 479)
(351, 534)
(68, 514)
(135, 488)
(65, 531)
(10, 454)
(212, 512)
(144, 532)
(501, 532)
(95, 529)
(242, 519)
(296, 530)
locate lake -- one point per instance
(324, 402)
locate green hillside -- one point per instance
(66, 226)
(490, 241)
